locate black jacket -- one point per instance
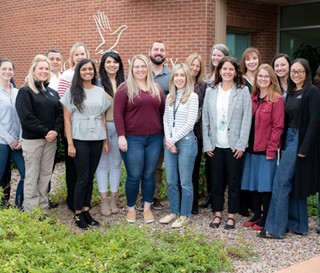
(39, 113)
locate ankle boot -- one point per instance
(88, 218)
(113, 203)
(81, 223)
(206, 201)
(105, 207)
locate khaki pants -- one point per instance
(39, 157)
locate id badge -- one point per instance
(222, 125)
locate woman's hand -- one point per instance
(237, 153)
(172, 148)
(14, 144)
(269, 158)
(301, 155)
(210, 153)
(106, 147)
(71, 150)
(123, 144)
(51, 136)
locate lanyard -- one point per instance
(175, 109)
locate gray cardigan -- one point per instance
(239, 118)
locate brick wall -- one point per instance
(258, 19)
(30, 27)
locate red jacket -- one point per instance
(268, 125)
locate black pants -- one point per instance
(71, 174)
(5, 182)
(224, 168)
(196, 172)
(87, 158)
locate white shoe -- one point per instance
(180, 222)
(167, 219)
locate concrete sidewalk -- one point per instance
(309, 266)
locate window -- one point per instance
(237, 43)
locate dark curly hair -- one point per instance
(76, 90)
(105, 81)
(238, 80)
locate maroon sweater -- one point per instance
(144, 116)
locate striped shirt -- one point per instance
(179, 119)
(65, 82)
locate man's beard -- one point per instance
(155, 61)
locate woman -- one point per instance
(196, 67)
(84, 106)
(260, 159)
(78, 52)
(41, 117)
(218, 51)
(250, 62)
(281, 65)
(10, 128)
(180, 115)
(138, 112)
(316, 80)
(298, 173)
(226, 124)
(111, 76)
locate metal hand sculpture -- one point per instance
(105, 32)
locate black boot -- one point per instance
(206, 201)
(195, 208)
(80, 221)
(88, 218)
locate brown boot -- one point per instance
(113, 202)
(105, 207)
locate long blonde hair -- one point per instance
(32, 79)
(133, 86)
(172, 88)
(188, 62)
(273, 90)
(73, 50)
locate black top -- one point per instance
(293, 109)
(39, 113)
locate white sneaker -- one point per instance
(180, 222)
(167, 219)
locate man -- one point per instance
(56, 60)
(161, 74)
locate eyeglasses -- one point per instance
(299, 72)
(266, 77)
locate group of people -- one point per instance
(257, 125)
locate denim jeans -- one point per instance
(181, 165)
(287, 210)
(141, 161)
(16, 155)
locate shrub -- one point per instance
(30, 245)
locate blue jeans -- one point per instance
(287, 210)
(141, 161)
(16, 155)
(181, 165)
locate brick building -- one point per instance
(30, 27)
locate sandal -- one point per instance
(232, 226)
(215, 225)
(267, 235)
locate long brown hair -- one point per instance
(274, 90)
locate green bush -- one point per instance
(313, 205)
(30, 245)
